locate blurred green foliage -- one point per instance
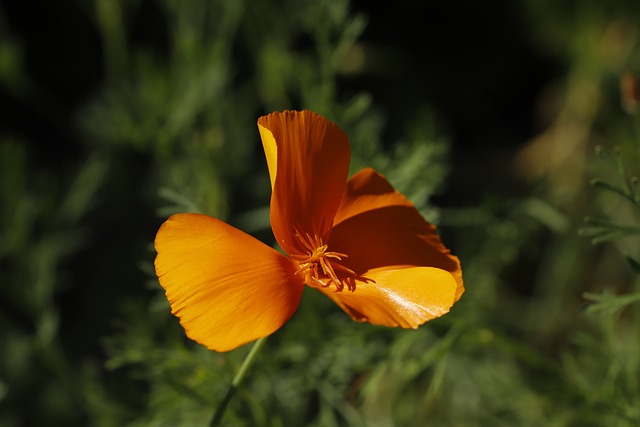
(547, 333)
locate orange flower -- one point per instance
(359, 242)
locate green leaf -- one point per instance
(598, 183)
(611, 235)
(602, 230)
(609, 304)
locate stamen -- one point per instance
(318, 266)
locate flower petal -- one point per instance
(226, 287)
(407, 297)
(377, 227)
(308, 171)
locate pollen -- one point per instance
(318, 265)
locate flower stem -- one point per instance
(237, 380)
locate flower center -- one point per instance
(318, 265)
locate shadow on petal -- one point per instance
(394, 236)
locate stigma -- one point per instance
(319, 266)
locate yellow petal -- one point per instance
(308, 169)
(270, 152)
(377, 227)
(406, 298)
(226, 287)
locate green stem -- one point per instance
(237, 380)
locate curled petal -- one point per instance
(368, 190)
(379, 228)
(406, 298)
(226, 287)
(308, 158)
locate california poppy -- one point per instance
(360, 242)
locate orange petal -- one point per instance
(308, 158)
(226, 287)
(377, 227)
(368, 190)
(407, 297)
